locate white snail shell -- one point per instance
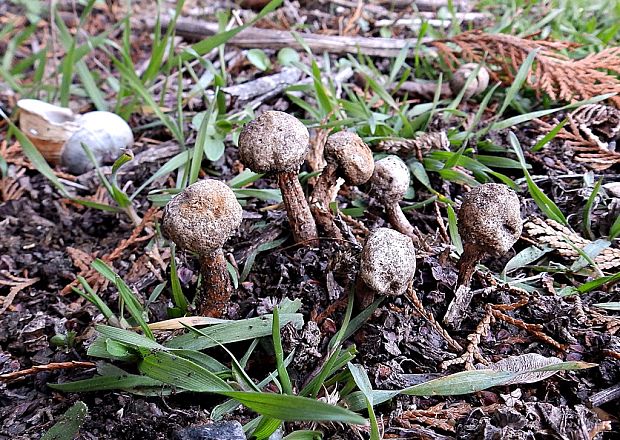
(58, 134)
(476, 86)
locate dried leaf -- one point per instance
(524, 362)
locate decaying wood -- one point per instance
(252, 37)
(607, 395)
(265, 84)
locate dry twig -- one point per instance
(14, 375)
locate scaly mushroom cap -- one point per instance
(202, 217)
(490, 218)
(352, 156)
(274, 142)
(388, 262)
(476, 86)
(390, 179)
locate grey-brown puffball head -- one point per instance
(274, 142)
(352, 155)
(490, 218)
(390, 179)
(202, 217)
(476, 86)
(388, 262)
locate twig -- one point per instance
(472, 352)
(14, 375)
(413, 296)
(534, 329)
(252, 37)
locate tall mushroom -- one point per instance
(277, 143)
(390, 182)
(489, 223)
(387, 266)
(200, 219)
(349, 158)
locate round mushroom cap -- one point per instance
(274, 142)
(390, 179)
(388, 262)
(202, 217)
(352, 155)
(476, 86)
(490, 218)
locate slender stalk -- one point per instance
(299, 215)
(216, 285)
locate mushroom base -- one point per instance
(297, 209)
(463, 294)
(216, 286)
(364, 296)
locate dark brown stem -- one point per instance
(299, 215)
(463, 294)
(322, 195)
(215, 291)
(364, 296)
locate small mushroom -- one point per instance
(347, 157)
(489, 223)
(277, 142)
(476, 86)
(200, 219)
(390, 182)
(387, 266)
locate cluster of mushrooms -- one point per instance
(203, 216)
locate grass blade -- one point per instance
(545, 204)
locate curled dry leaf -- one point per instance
(524, 362)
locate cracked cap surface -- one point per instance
(274, 142)
(202, 217)
(490, 218)
(388, 262)
(352, 155)
(390, 179)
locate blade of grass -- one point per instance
(545, 204)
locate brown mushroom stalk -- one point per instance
(489, 223)
(387, 266)
(200, 219)
(349, 158)
(390, 182)
(277, 143)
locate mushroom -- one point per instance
(489, 223)
(476, 85)
(387, 266)
(200, 219)
(276, 142)
(347, 157)
(390, 182)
